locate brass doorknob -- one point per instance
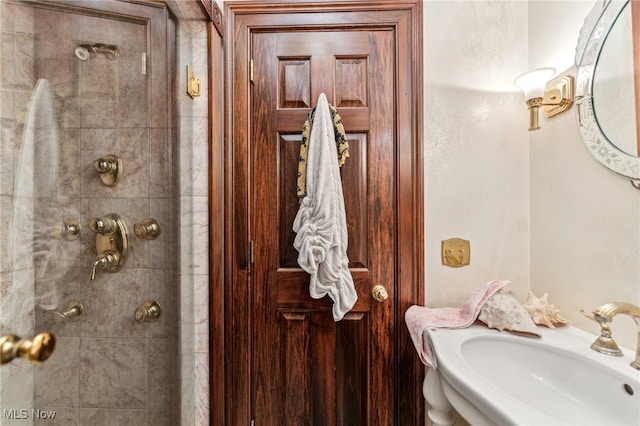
(36, 350)
(379, 293)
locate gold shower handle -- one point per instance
(379, 293)
(36, 350)
(109, 169)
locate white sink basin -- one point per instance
(494, 377)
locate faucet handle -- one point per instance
(604, 343)
(103, 225)
(148, 311)
(71, 312)
(109, 260)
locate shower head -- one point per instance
(86, 52)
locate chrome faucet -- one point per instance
(605, 313)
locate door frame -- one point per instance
(241, 18)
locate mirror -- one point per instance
(606, 93)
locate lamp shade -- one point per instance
(533, 82)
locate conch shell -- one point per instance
(503, 312)
(542, 312)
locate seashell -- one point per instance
(543, 312)
(503, 312)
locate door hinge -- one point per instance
(251, 252)
(251, 70)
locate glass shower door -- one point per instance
(84, 104)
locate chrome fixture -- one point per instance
(86, 52)
(109, 168)
(68, 230)
(147, 312)
(112, 243)
(555, 99)
(149, 229)
(605, 313)
(71, 312)
(36, 350)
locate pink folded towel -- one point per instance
(420, 319)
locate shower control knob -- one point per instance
(148, 311)
(71, 312)
(109, 168)
(149, 229)
(103, 225)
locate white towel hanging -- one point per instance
(321, 223)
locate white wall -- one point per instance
(585, 234)
(537, 208)
(476, 145)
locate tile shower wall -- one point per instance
(106, 369)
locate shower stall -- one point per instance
(103, 213)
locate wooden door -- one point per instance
(287, 362)
(308, 369)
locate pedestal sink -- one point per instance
(493, 377)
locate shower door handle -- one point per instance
(379, 293)
(36, 350)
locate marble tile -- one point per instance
(5, 222)
(200, 244)
(24, 62)
(202, 389)
(57, 381)
(160, 167)
(16, 391)
(163, 418)
(133, 149)
(70, 290)
(161, 254)
(56, 416)
(110, 303)
(163, 288)
(201, 313)
(7, 55)
(200, 162)
(61, 74)
(69, 168)
(163, 375)
(102, 417)
(113, 374)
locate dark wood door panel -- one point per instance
(283, 296)
(288, 361)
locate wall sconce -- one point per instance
(554, 98)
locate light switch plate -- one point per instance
(456, 252)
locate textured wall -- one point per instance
(476, 149)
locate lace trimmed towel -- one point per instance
(420, 319)
(342, 146)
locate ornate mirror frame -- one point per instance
(593, 34)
